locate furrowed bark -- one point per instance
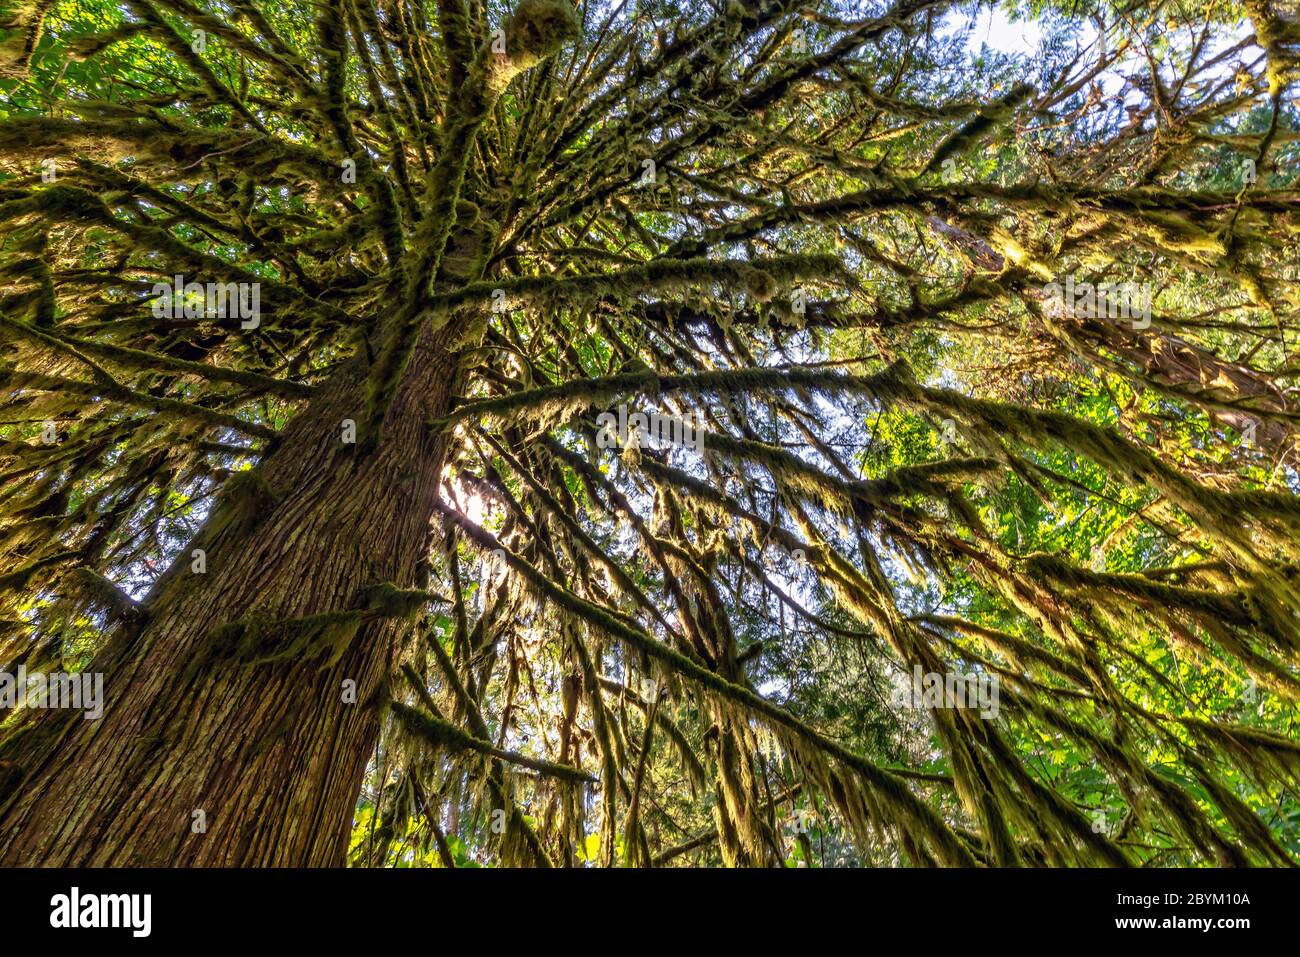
(269, 752)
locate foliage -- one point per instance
(824, 228)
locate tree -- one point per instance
(313, 316)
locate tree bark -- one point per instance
(270, 753)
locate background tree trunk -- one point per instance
(270, 753)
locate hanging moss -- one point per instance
(443, 734)
(259, 640)
(388, 601)
(909, 459)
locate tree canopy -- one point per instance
(830, 236)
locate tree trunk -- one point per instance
(271, 753)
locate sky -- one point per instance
(993, 28)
